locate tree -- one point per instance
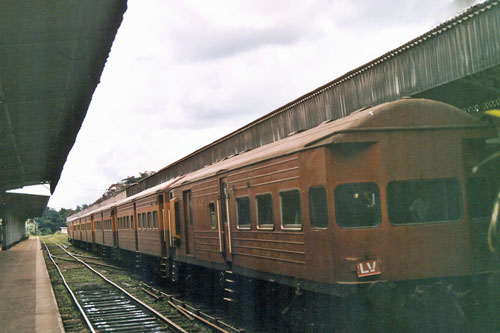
(116, 188)
(50, 222)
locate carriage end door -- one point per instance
(225, 226)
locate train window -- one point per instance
(243, 212)
(177, 218)
(131, 222)
(139, 221)
(357, 205)
(155, 220)
(213, 217)
(422, 201)
(264, 204)
(318, 207)
(146, 220)
(291, 215)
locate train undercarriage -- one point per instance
(468, 303)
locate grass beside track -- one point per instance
(70, 316)
(76, 273)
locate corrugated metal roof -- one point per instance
(387, 115)
(457, 62)
(150, 191)
(52, 54)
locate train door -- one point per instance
(163, 226)
(92, 228)
(135, 222)
(80, 232)
(114, 221)
(225, 218)
(188, 221)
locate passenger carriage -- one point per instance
(384, 194)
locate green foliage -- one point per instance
(116, 188)
(51, 221)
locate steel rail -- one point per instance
(181, 306)
(169, 322)
(93, 263)
(82, 312)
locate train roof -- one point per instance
(150, 191)
(403, 114)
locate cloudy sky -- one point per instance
(182, 74)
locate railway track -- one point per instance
(107, 307)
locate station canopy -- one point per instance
(52, 54)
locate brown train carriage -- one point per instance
(83, 227)
(87, 229)
(78, 230)
(70, 229)
(98, 227)
(109, 228)
(126, 229)
(341, 204)
(148, 229)
(149, 217)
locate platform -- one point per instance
(27, 302)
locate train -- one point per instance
(384, 195)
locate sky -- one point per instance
(182, 74)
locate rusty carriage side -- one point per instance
(143, 228)
(87, 229)
(109, 228)
(98, 228)
(127, 237)
(72, 228)
(330, 209)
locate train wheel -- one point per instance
(434, 307)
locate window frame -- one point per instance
(244, 227)
(310, 207)
(264, 226)
(155, 220)
(380, 220)
(460, 200)
(291, 227)
(214, 226)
